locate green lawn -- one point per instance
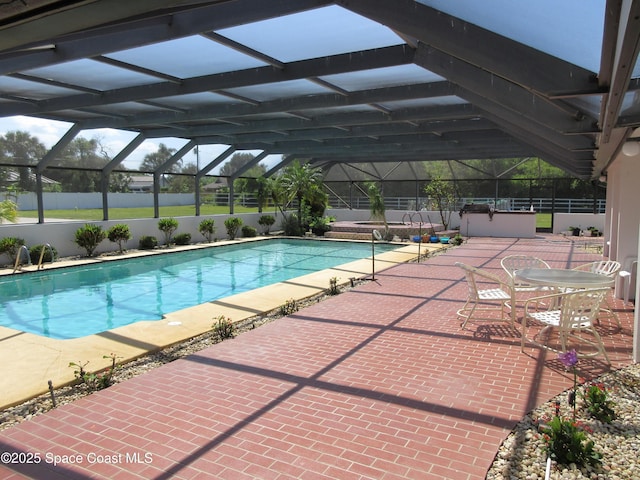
(95, 214)
(543, 220)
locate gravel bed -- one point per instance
(522, 455)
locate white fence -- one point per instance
(67, 201)
(566, 205)
(71, 201)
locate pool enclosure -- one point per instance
(358, 83)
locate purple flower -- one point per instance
(569, 359)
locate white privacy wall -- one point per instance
(61, 235)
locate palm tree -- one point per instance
(8, 211)
(376, 203)
(300, 182)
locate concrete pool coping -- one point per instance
(29, 361)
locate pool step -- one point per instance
(348, 235)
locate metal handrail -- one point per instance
(410, 215)
(45, 247)
(22, 250)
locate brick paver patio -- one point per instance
(376, 383)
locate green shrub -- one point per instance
(320, 225)
(10, 246)
(49, 256)
(266, 221)
(597, 402)
(457, 240)
(168, 226)
(290, 226)
(567, 443)
(182, 239)
(148, 242)
(249, 231)
(89, 237)
(119, 234)
(207, 228)
(232, 224)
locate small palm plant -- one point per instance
(376, 203)
(8, 211)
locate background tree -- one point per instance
(152, 161)
(82, 161)
(119, 182)
(265, 191)
(249, 182)
(443, 195)
(185, 182)
(22, 149)
(237, 160)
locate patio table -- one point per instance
(562, 278)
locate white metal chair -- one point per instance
(608, 268)
(486, 293)
(568, 312)
(521, 290)
(511, 263)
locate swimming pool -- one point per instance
(78, 301)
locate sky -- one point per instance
(49, 133)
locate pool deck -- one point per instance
(378, 382)
(35, 359)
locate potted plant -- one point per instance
(433, 238)
(575, 231)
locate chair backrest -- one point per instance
(511, 263)
(474, 275)
(579, 308)
(610, 268)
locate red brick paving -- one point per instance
(376, 383)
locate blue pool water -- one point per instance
(78, 301)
